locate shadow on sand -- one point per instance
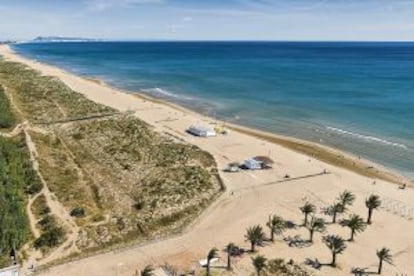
(297, 241)
(359, 271)
(315, 263)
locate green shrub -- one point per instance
(77, 212)
(50, 238)
(47, 223)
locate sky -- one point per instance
(353, 20)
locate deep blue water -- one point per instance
(357, 97)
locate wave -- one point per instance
(366, 137)
(164, 93)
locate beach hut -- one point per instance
(258, 163)
(201, 131)
(252, 164)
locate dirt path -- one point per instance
(16, 131)
(56, 208)
(31, 216)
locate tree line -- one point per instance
(17, 180)
(7, 119)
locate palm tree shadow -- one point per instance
(315, 263)
(359, 271)
(297, 241)
(291, 225)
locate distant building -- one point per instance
(10, 271)
(201, 131)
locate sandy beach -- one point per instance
(251, 196)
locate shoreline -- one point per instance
(324, 153)
(250, 196)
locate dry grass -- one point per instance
(43, 98)
(40, 207)
(132, 183)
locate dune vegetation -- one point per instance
(44, 98)
(17, 181)
(118, 179)
(7, 119)
(123, 180)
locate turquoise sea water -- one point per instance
(358, 97)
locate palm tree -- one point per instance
(346, 198)
(213, 253)
(255, 235)
(315, 225)
(383, 255)
(259, 263)
(307, 209)
(336, 244)
(372, 202)
(334, 210)
(276, 225)
(148, 271)
(229, 249)
(355, 223)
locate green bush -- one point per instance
(77, 212)
(50, 238)
(47, 223)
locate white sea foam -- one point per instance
(366, 137)
(162, 92)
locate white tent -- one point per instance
(253, 164)
(201, 131)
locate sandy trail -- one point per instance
(56, 209)
(250, 199)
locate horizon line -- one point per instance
(86, 40)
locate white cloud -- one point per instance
(187, 19)
(101, 5)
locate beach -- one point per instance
(251, 196)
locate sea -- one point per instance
(353, 96)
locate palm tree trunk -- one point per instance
(333, 259)
(252, 246)
(380, 267)
(228, 261)
(306, 219)
(334, 217)
(352, 235)
(208, 268)
(258, 272)
(369, 216)
(272, 235)
(311, 236)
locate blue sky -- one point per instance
(209, 19)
